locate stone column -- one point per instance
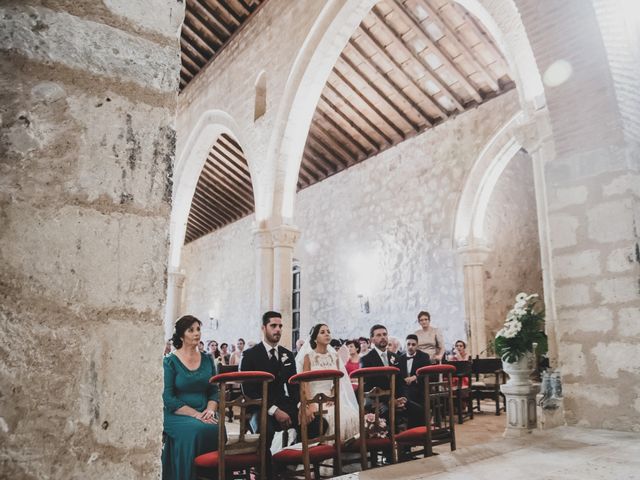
(473, 259)
(520, 395)
(175, 284)
(263, 244)
(284, 239)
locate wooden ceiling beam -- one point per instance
(204, 32)
(429, 72)
(228, 195)
(198, 222)
(197, 43)
(190, 52)
(231, 13)
(207, 200)
(345, 135)
(225, 161)
(369, 103)
(443, 25)
(219, 172)
(387, 140)
(326, 143)
(232, 147)
(302, 177)
(231, 188)
(398, 69)
(320, 157)
(393, 86)
(381, 95)
(312, 165)
(185, 70)
(194, 224)
(482, 35)
(351, 123)
(215, 20)
(416, 27)
(189, 64)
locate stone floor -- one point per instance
(564, 453)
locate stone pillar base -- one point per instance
(550, 418)
(521, 409)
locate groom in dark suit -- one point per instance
(379, 356)
(410, 386)
(268, 356)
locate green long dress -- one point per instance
(186, 437)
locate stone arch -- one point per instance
(260, 101)
(493, 158)
(320, 51)
(189, 164)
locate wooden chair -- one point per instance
(488, 387)
(244, 453)
(376, 398)
(439, 427)
(232, 390)
(462, 395)
(328, 446)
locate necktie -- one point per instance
(385, 360)
(274, 359)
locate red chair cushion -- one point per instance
(210, 460)
(372, 444)
(377, 371)
(414, 436)
(313, 375)
(436, 369)
(316, 454)
(247, 376)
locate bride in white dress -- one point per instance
(317, 354)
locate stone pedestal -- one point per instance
(520, 393)
(549, 418)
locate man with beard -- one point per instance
(268, 356)
(379, 356)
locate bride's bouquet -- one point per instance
(373, 428)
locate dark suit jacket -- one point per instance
(415, 390)
(372, 359)
(256, 358)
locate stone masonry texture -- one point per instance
(87, 102)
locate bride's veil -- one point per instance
(347, 396)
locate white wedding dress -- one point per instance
(349, 422)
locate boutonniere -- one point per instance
(284, 358)
(393, 361)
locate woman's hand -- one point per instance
(207, 416)
(306, 415)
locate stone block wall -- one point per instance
(87, 104)
(511, 227)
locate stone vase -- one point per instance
(520, 395)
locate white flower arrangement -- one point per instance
(522, 329)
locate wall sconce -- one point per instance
(213, 322)
(364, 303)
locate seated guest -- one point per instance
(394, 346)
(224, 354)
(409, 364)
(214, 351)
(459, 354)
(379, 357)
(353, 362)
(364, 346)
(190, 403)
(237, 355)
(283, 398)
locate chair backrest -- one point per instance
(484, 366)
(463, 369)
(377, 398)
(243, 445)
(438, 405)
(227, 368)
(319, 399)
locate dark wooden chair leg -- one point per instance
(316, 471)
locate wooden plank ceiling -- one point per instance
(223, 193)
(208, 26)
(410, 65)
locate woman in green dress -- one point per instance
(190, 403)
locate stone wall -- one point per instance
(87, 103)
(511, 226)
(220, 278)
(381, 228)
